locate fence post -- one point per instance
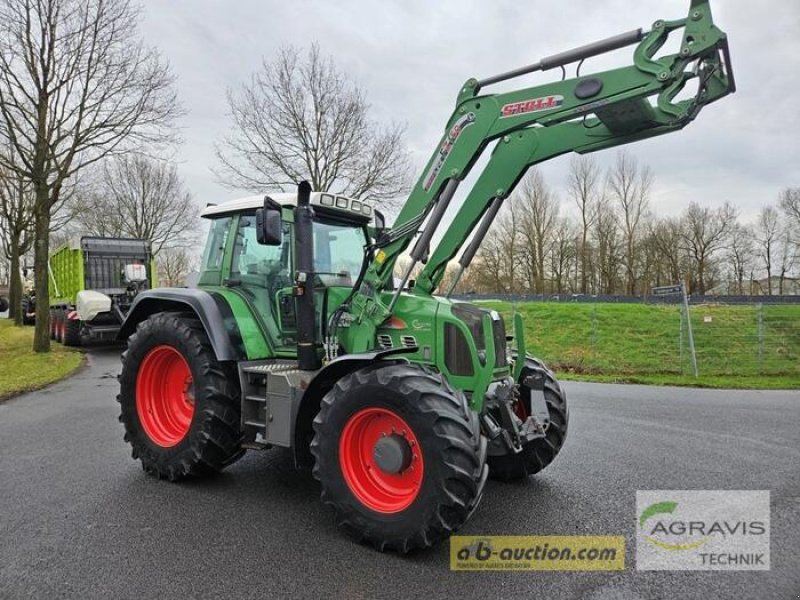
(760, 317)
(594, 333)
(689, 330)
(680, 339)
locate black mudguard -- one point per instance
(212, 310)
(323, 381)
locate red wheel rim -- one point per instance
(164, 396)
(375, 488)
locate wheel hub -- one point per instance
(381, 460)
(392, 454)
(165, 396)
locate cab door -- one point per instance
(262, 274)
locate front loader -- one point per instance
(400, 399)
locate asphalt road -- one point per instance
(80, 519)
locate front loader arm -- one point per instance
(537, 123)
(515, 153)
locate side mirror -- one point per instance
(377, 230)
(268, 223)
(380, 222)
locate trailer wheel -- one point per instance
(72, 332)
(399, 456)
(52, 314)
(59, 325)
(539, 453)
(180, 407)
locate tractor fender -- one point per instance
(212, 310)
(321, 384)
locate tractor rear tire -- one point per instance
(72, 332)
(180, 406)
(538, 453)
(426, 479)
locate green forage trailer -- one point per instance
(93, 282)
(400, 399)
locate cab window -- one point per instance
(215, 244)
(258, 264)
(338, 250)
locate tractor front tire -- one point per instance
(399, 456)
(180, 406)
(72, 332)
(538, 453)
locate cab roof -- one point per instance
(346, 207)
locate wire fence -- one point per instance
(625, 299)
(615, 338)
(761, 339)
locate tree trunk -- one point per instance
(15, 286)
(701, 277)
(584, 276)
(41, 335)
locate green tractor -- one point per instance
(402, 400)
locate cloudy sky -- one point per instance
(412, 56)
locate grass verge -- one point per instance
(22, 369)
(743, 347)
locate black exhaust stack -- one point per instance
(307, 357)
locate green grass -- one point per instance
(640, 343)
(22, 369)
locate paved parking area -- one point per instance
(79, 518)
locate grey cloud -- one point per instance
(412, 57)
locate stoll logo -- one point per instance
(702, 530)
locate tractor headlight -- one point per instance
(473, 318)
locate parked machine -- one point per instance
(28, 301)
(401, 399)
(92, 285)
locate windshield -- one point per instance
(338, 250)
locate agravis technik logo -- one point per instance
(702, 530)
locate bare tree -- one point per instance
(704, 232)
(300, 117)
(790, 204)
(16, 232)
(76, 84)
(583, 185)
(139, 197)
(607, 244)
(768, 231)
(740, 255)
(629, 185)
(667, 240)
(17, 203)
(174, 264)
(562, 254)
(497, 264)
(787, 258)
(539, 213)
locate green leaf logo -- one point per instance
(655, 509)
(667, 507)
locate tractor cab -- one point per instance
(263, 275)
